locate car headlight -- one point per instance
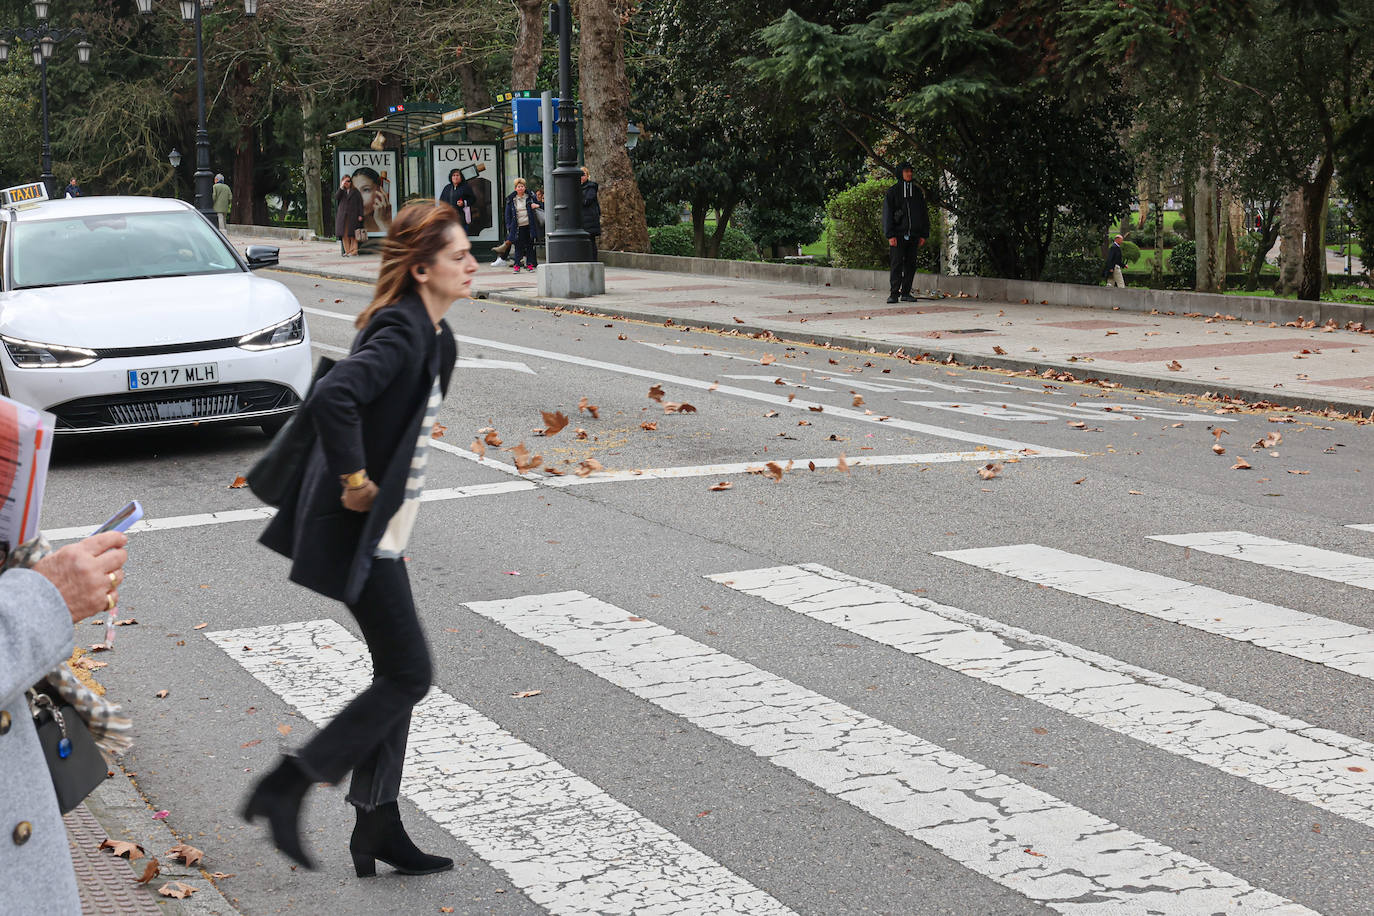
(283, 334)
(30, 355)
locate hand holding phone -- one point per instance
(121, 521)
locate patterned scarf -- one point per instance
(110, 729)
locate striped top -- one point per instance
(397, 534)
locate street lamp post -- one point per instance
(569, 242)
(44, 40)
(192, 11)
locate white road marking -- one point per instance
(168, 524)
(568, 845)
(1295, 758)
(1361, 527)
(1040, 414)
(464, 362)
(771, 378)
(1298, 558)
(1336, 645)
(1062, 856)
(328, 348)
(957, 435)
(694, 351)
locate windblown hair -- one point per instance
(418, 233)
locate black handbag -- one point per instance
(74, 762)
(275, 478)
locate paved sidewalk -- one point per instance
(1306, 367)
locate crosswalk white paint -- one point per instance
(1361, 527)
(1341, 646)
(1330, 771)
(1264, 551)
(1062, 856)
(567, 844)
(464, 362)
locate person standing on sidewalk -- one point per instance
(906, 225)
(39, 609)
(221, 200)
(459, 195)
(348, 215)
(346, 534)
(1115, 262)
(591, 209)
(521, 230)
(72, 190)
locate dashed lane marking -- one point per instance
(1345, 568)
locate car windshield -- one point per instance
(122, 246)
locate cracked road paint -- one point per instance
(1287, 755)
(1299, 558)
(1064, 857)
(1361, 527)
(1341, 646)
(568, 845)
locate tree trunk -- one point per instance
(1206, 221)
(1314, 195)
(1290, 244)
(1142, 196)
(605, 94)
(245, 164)
(699, 210)
(722, 223)
(529, 45)
(312, 162)
(1235, 228)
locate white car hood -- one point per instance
(145, 313)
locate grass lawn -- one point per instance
(821, 247)
(1355, 250)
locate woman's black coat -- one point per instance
(368, 411)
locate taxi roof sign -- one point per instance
(24, 195)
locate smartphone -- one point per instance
(123, 519)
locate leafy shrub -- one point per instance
(1171, 238)
(677, 240)
(1184, 231)
(788, 223)
(1130, 252)
(856, 229)
(1075, 256)
(1183, 262)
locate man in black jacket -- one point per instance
(906, 224)
(1115, 263)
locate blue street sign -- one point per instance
(526, 113)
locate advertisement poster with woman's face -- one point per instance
(374, 176)
(474, 163)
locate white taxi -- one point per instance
(122, 313)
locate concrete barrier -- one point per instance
(273, 232)
(996, 289)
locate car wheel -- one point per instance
(270, 428)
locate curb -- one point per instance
(1127, 379)
(123, 814)
(323, 273)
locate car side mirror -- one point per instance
(260, 256)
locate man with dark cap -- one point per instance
(906, 224)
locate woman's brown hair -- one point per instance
(418, 233)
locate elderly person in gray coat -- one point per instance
(38, 610)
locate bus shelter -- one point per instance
(409, 153)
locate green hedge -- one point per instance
(856, 229)
(677, 240)
(1183, 262)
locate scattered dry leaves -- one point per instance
(656, 394)
(239, 483)
(723, 485)
(649, 425)
(588, 467)
(524, 461)
(176, 889)
(187, 855)
(526, 694)
(554, 423)
(492, 439)
(130, 851)
(438, 431)
(768, 360)
(152, 871)
(989, 471)
(841, 464)
(1174, 366)
(1241, 464)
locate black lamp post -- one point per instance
(192, 12)
(569, 242)
(44, 39)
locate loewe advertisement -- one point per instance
(476, 164)
(374, 176)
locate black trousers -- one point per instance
(595, 256)
(369, 736)
(524, 247)
(903, 259)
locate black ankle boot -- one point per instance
(278, 797)
(380, 835)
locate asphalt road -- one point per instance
(1107, 722)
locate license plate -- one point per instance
(173, 376)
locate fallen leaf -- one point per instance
(438, 431)
(189, 855)
(1077, 424)
(161, 815)
(1219, 449)
(525, 694)
(161, 694)
(479, 448)
(1173, 366)
(656, 394)
(768, 360)
(738, 320)
(200, 626)
(152, 871)
(649, 425)
(1031, 852)
(773, 470)
(815, 408)
(771, 413)
(239, 483)
(587, 467)
(1080, 480)
(126, 622)
(723, 485)
(989, 471)
(1135, 492)
(130, 851)
(811, 465)
(553, 422)
(579, 433)
(284, 729)
(254, 743)
(524, 461)
(220, 876)
(858, 400)
(1299, 472)
(1241, 464)
(686, 408)
(492, 439)
(176, 889)
(841, 464)
(999, 351)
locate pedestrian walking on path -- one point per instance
(591, 209)
(221, 200)
(522, 230)
(348, 215)
(906, 225)
(346, 534)
(39, 608)
(1115, 262)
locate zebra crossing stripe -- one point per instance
(1332, 643)
(567, 844)
(1361, 527)
(1299, 558)
(1040, 846)
(1322, 768)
